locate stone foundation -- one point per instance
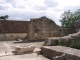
(60, 53)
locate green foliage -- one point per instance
(58, 42)
(51, 21)
(76, 47)
(68, 17)
(4, 17)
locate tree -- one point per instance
(67, 18)
(1, 17)
(4, 17)
(77, 15)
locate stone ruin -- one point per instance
(35, 29)
(59, 46)
(39, 28)
(62, 48)
(72, 40)
(60, 53)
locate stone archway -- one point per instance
(36, 33)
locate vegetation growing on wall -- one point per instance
(51, 21)
(58, 42)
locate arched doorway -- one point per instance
(36, 33)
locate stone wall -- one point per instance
(36, 28)
(12, 36)
(75, 27)
(60, 53)
(66, 31)
(10, 26)
(39, 28)
(4, 38)
(72, 40)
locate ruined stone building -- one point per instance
(36, 28)
(39, 28)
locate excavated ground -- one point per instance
(6, 48)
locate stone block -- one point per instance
(24, 49)
(60, 53)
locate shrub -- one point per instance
(58, 42)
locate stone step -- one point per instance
(60, 53)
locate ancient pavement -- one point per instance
(6, 48)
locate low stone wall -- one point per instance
(12, 36)
(7, 38)
(72, 40)
(15, 34)
(4, 38)
(60, 53)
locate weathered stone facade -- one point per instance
(39, 28)
(35, 29)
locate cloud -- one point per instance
(72, 8)
(5, 6)
(26, 9)
(51, 3)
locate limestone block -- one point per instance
(24, 49)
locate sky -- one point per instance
(27, 9)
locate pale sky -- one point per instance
(27, 9)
